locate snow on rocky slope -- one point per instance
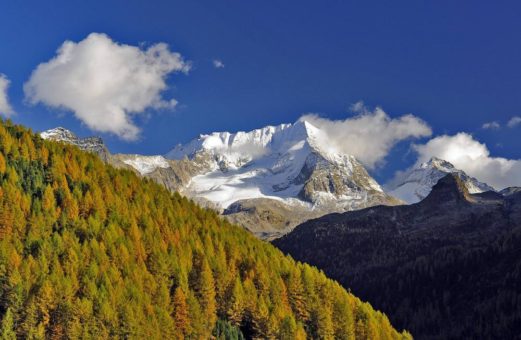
(285, 162)
(145, 164)
(418, 182)
(268, 179)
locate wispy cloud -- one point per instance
(5, 108)
(491, 126)
(217, 63)
(514, 121)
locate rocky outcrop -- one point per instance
(90, 144)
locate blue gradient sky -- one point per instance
(455, 64)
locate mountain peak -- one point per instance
(312, 135)
(510, 191)
(239, 145)
(417, 183)
(58, 133)
(310, 129)
(450, 188)
(439, 164)
(292, 163)
(90, 144)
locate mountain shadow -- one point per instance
(448, 267)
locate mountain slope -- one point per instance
(285, 166)
(418, 182)
(286, 163)
(90, 251)
(447, 267)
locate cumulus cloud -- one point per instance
(514, 121)
(369, 135)
(218, 63)
(473, 157)
(105, 83)
(5, 108)
(491, 126)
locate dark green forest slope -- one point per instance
(448, 267)
(89, 251)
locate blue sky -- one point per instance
(456, 65)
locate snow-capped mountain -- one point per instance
(418, 182)
(285, 162)
(90, 144)
(510, 191)
(268, 179)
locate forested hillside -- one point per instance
(88, 251)
(448, 267)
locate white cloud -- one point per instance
(491, 126)
(105, 83)
(218, 63)
(369, 136)
(473, 157)
(514, 121)
(5, 108)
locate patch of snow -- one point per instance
(146, 164)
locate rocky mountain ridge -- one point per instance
(270, 179)
(417, 182)
(285, 167)
(90, 144)
(279, 161)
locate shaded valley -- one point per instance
(446, 267)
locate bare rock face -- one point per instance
(175, 175)
(90, 144)
(346, 179)
(267, 218)
(448, 190)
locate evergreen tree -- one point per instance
(288, 329)
(204, 287)
(181, 318)
(236, 303)
(296, 295)
(226, 331)
(8, 332)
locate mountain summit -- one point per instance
(90, 144)
(284, 162)
(418, 182)
(289, 166)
